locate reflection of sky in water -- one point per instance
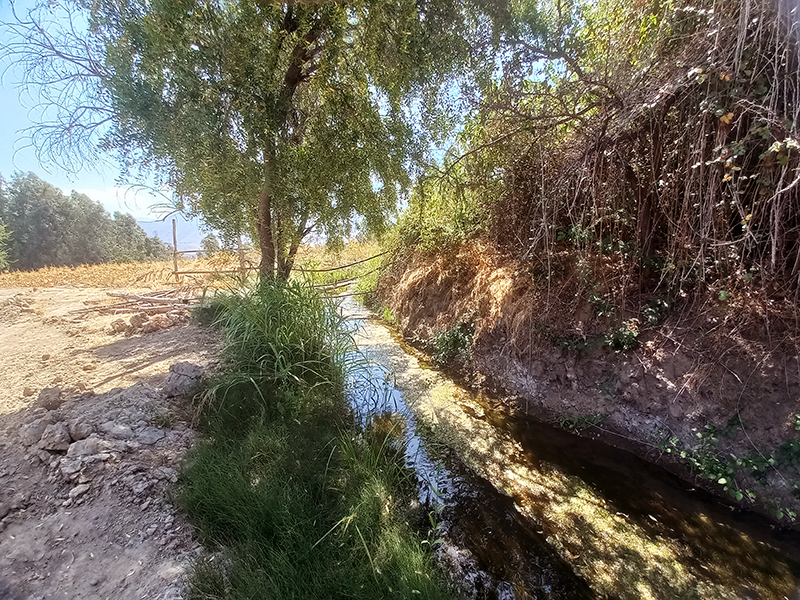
(370, 392)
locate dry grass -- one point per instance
(159, 274)
(117, 275)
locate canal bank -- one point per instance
(605, 523)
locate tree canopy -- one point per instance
(44, 227)
(271, 118)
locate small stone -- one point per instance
(5, 508)
(45, 356)
(156, 323)
(91, 471)
(149, 436)
(167, 473)
(55, 438)
(69, 467)
(79, 430)
(50, 398)
(89, 367)
(28, 391)
(183, 380)
(89, 446)
(19, 501)
(58, 379)
(119, 326)
(138, 487)
(116, 430)
(31, 433)
(137, 321)
(79, 490)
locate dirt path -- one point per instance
(85, 471)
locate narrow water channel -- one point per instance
(531, 511)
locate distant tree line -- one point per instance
(41, 226)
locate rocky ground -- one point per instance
(93, 427)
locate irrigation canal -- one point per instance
(531, 511)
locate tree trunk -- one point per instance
(267, 267)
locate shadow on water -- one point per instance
(549, 515)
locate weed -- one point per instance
(388, 316)
(603, 307)
(654, 311)
(281, 338)
(454, 343)
(624, 337)
(581, 421)
(728, 470)
(162, 418)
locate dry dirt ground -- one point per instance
(85, 474)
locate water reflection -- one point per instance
(544, 499)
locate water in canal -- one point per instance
(531, 511)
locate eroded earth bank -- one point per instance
(709, 389)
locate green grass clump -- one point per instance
(282, 340)
(299, 503)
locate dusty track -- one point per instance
(84, 498)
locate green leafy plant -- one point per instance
(624, 337)
(581, 421)
(453, 343)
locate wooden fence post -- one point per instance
(175, 248)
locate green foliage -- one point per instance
(581, 421)
(444, 211)
(730, 471)
(281, 338)
(47, 228)
(454, 343)
(210, 245)
(624, 337)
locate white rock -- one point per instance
(89, 446)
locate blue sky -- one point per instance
(99, 183)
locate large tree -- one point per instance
(273, 118)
